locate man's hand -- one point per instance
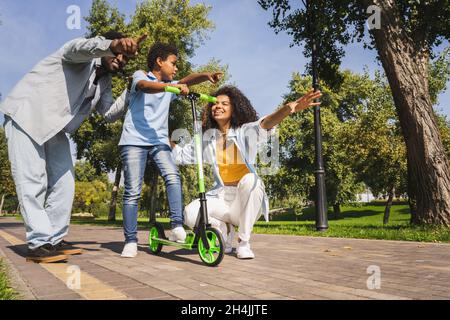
(127, 46)
(184, 88)
(214, 77)
(305, 102)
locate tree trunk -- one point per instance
(336, 210)
(405, 61)
(387, 210)
(115, 191)
(1, 204)
(412, 200)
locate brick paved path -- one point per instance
(286, 267)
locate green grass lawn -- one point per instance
(364, 222)
(6, 293)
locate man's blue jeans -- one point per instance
(134, 159)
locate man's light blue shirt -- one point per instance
(147, 120)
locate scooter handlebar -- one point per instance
(201, 96)
(207, 98)
(173, 90)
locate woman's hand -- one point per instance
(305, 102)
(291, 107)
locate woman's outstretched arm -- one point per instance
(291, 107)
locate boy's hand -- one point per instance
(305, 102)
(184, 88)
(214, 77)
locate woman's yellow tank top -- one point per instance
(231, 166)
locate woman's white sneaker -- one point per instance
(130, 250)
(243, 251)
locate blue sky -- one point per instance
(260, 62)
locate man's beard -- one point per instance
(109, 68)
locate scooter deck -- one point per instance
(189, 244)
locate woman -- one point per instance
(232, 133)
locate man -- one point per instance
(51, 101)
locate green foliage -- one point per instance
(85, 172)
(444, 128)
(362, 142)
(373, 142)
(6, 183)
(90, 196)
(332, 25)
(296, 175)
(439, 74)
(103, 18)
(171, 21)
(336, 24)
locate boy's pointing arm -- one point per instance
(196, 78)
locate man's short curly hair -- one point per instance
(160, 50)
(242, 110)
(113, 35)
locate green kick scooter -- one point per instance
(206, 239)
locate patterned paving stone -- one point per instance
(291, 267)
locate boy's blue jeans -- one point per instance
(134, 159)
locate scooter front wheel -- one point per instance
(214, 255)
(156, 231)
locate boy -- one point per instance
(145, 137)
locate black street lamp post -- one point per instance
(321, 198)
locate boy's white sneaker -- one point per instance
(243, 251)
(130, 250)
(178, 234)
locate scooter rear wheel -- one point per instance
(156, 231)
(214, 255)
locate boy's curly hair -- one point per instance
(242, 110)
(160, 50)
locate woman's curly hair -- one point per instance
(242, 110)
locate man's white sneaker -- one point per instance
(243, 251)
(178, 234)
(130, 250)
